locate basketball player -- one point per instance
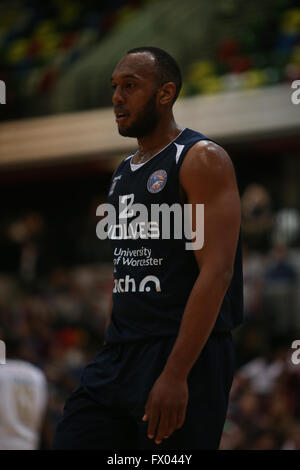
(162, 379)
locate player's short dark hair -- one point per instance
(168, 69)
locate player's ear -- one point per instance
(167, 93)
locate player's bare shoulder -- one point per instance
(207, 163)
(206, 155)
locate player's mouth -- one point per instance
(121, 117)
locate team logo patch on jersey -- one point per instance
(157, 181)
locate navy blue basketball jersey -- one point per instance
(154, 272)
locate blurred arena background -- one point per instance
(58, 148)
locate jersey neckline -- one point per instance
(153, 156)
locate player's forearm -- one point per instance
(198, 320)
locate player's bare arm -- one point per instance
(206, 177)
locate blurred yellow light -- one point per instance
(254, 78)
(211, 85)
(17, 51)
(44, 28)
(199, 70)
(291, 21)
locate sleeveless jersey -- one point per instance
(154, 272)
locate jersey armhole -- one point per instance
(187, 148)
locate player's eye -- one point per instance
(114, 86)
(130, 85)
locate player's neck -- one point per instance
(162, 135)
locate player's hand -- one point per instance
(166, 406)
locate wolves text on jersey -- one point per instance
(165, 222)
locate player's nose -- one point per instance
(118, 97)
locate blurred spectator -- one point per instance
(27, 233)
(286, 229)
(263, 439)
(280, 292)
(23, 390)
(257, 217)
(253, 273)
(292, 441)
(261, 373)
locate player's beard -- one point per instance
(145, 122)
